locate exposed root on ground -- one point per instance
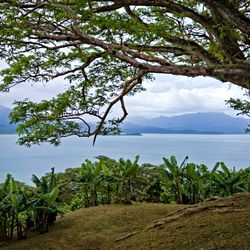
(188, 211)
(128, 235)
(221, 205)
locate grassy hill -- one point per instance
(219, 224)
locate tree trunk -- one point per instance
(19, 231)
(108, 195)
(128, 192)
(86, 199)
(3, 231)
(179, 194)
(12, 227)
(94, 197)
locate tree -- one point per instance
(105, 49)
(227, 182)
(15, 209)
(127, 173)
(150, 187)
(241, 105)
(109, 184)
(172, 176)
(195, 184)
(45, 201)
(91, 177)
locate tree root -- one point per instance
(187, 211)
(219, 205)
(128, 235)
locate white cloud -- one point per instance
(166, 95)
(171, 95)
(34, 92)
(164, 83)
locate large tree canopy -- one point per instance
(105, 49)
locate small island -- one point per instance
(131, 134)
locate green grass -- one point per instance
(222, 224)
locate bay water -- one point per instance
(22, 162)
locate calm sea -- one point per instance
(22, 162)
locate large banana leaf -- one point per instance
(52, 196)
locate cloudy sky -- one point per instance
(167, 95)
(171, 95)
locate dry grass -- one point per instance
(222, 224)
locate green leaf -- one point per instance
(52, 196)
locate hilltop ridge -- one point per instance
(194, 123)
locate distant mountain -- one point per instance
(5, 126)
(196, 123)
(4, 113)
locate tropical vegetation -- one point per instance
(24, 208)
(108, 181)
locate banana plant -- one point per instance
(227, 181)
(14, 204)
(5, 209)
(44, 203)
(46, 210)
(108, 181)
(91, 177)
(195, 182)
(244, 185)
(172, 177)
(47, 183)
(126, 174)
(150, 188)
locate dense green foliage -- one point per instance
(106, 49)
(108, 181)
(23, 208)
